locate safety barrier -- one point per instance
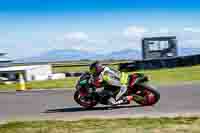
(151, 64)
(179, 61)
(73, 74)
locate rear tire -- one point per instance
(149, 93)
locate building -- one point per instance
(4, 61)
(30, 72)
(159, 47)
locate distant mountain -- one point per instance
(68, 55)
(188, 51)
(125, 54)
(72, 55)
(59, 55)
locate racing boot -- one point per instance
(112, 101)
(124, 100)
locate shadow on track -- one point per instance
(80, 109)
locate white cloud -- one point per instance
(164, 30)
(187, 37)
(135, 31)
(133, 35)
(129, 38)
(191, 43)
(79, 41)
(192, 29)
(73, 36)
(69, 40)
(76, 36)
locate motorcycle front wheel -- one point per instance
(83, 101)
(149, 95)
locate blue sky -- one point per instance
(29, 28)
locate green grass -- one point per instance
(49, 84)
(70, 69)
(157, 77)
(139, 125)
(174, 76)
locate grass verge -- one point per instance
(139, 125)
(48, 84)
(174, 76)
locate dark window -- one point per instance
(16, 76)
(158, 45)
(4, 75)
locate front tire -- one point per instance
(150, 95)
(85, 104)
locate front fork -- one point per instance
(135, 79)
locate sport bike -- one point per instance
(142, 93)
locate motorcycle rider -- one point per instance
(103, 74)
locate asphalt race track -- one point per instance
(59, 104)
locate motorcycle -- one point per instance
(143, 93)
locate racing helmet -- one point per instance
(96, 68)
